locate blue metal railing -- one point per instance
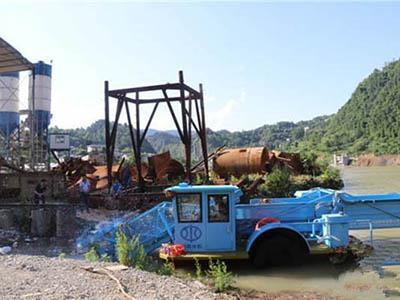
(153, 228)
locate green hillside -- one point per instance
(283, 135)
(369, 122)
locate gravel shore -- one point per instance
(40, 277)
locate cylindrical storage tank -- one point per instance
(240, 161)
(42, 103)
(9, 102)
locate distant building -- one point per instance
(97, 153)
(96, 148)
(341, 160)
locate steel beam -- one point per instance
(186, 136)
(184, 129)
(171, 110)
(148, 123)
(203, 137)
(107, 133)
(168, 86)
(128, 114)
(138, 147)
(154, 100)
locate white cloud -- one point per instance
(226, 114)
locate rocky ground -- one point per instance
(40, 277)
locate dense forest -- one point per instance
(368, 123)
(282, 135)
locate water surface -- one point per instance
(368, 280)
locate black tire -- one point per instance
(277, 251)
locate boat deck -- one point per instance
(319, 249)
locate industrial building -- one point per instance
(24, 132)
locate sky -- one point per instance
(259, 63)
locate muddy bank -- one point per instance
(368, 160)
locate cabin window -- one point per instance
(218, 208)
(189, 208)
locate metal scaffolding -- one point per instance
(11, 60)
(187, 98)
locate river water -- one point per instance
(368, 280)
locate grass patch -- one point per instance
(220, 277)
(167, 269)
(92, 255)
(130, 252)
(217, 275)
(198, 272)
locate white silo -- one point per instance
(9, 102)
(42, 103)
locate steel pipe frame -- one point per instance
(137, 138)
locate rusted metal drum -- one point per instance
(240, 161)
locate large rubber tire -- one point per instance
(277, 251)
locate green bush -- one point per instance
(130, 252)
(199, 272)
(166, 269)
(331, 179)
(92, 255)
(277, 184)
(219, 275)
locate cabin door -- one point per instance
(220, 223)
(190, 228)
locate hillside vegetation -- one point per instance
(368, 123)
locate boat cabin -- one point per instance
(205, 219)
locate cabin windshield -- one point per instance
(189, 208)
(218, 208)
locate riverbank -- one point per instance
(40, 277)
(368, 160)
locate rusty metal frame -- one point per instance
(187, 96)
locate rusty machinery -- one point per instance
(187, 98)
